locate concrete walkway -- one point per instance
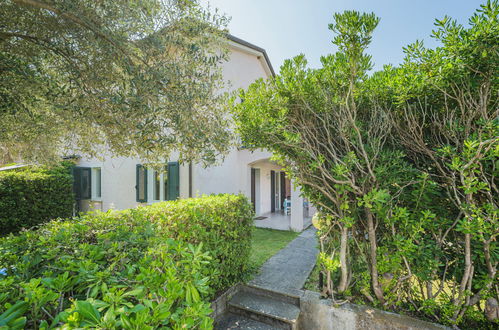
(280, 221)
(272, 299)
(288, 270)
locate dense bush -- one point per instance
(222, 223)
(402, 164)
(131, 269)
(33, 195)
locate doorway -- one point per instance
(255, 189)
(272, 191)
(283, 188)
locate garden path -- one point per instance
(272, 299)
(288, 270)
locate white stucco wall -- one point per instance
(242, 69)
(234, 176)
(118, 180)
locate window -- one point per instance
(82, 182)
(96, 184)
(87, 182)
(165, 186)
(157, 186)
(165, 183)
(141, 186)
(172, 184)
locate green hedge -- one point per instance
(135, 268)
(33, 195)
(222, 223)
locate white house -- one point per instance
(119, 183)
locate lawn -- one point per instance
(267, 242)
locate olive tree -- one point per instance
(131, 78)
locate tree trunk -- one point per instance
(378, 292)
(491, 273)
(329, 284)
(429, 290)
(466, 273)
(343, 260)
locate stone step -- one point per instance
(235, 321)
(290, 296)
(273, 311)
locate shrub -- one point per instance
(33, 195)
(129, 269)
(402, 164)
(222, 223)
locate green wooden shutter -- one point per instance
(173, 182)
(77, 182)
(82, 182)
(98, 182)
(141, 184)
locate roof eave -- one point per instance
(254, 47)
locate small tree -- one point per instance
(329, 133)
(130, 78)
(402, 165)
(447, 118)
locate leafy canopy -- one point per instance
(402, 165)
(133, 78)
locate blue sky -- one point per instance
(286, 28)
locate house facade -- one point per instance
(120, 183)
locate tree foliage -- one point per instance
(447, 120)
(401, 163)
(152, 267)
(133, 78)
